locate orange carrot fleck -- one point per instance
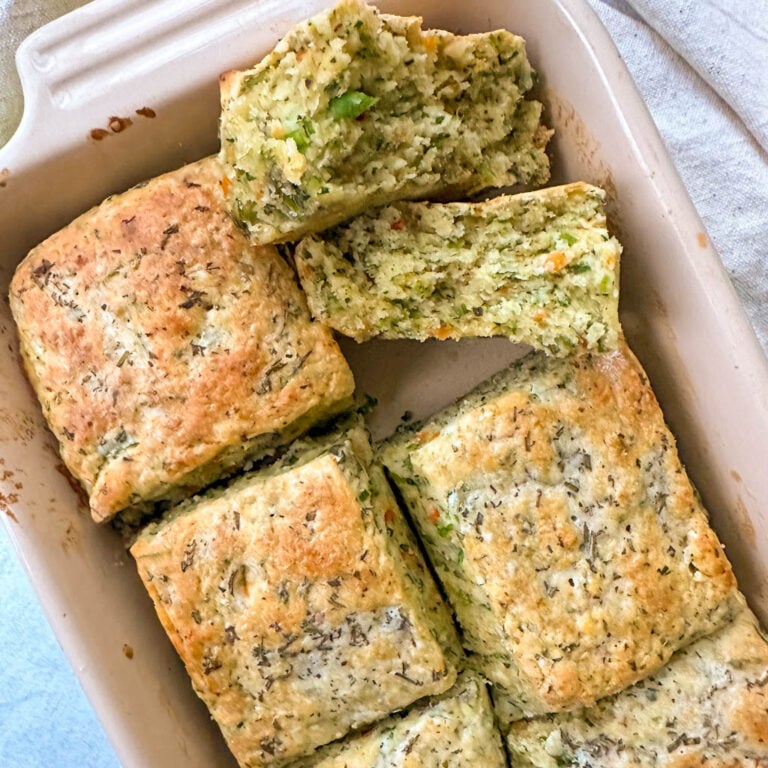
(555, 261)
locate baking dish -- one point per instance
(123, 89)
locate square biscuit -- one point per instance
(569, 540)
(454, 730)
(539, 268)
(355, 108)
(299, 601)
(707, 707)
(165, 349)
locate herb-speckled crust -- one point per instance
(165, 348)
(574, 550)
(455, 730)
(299, 602)
(538, 267)
(708, 708)
(354, 108)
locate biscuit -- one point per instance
(573, 548)
(165, 349)
(707, 707)
(299, 601)
(455, 730)
(354, 108)
(539, 268)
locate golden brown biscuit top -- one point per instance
(707, 708)
(254, 547)
(454, 730)
(578, 520)
(158, 339)
(291, 610)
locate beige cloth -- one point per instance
(19, 18)
(712, 124)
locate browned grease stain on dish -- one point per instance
(585, 154)
(570, 124)
(115, 124)
(662, 314)
(71, 539)
(146, 112)
(17, 425)
(744, 523)
(735, 475)
(701, 239)
(119, 124)
(7, 500)
(82, 498)
(127, 651)
(660, 307)
(5, 174)
(11, 498)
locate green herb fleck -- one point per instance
(300, 131)
(246, 212)
(111, 447)
(351, 104)
(294, 201)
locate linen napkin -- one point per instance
(726, 42)
(707, 95)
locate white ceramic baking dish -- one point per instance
(112, 59)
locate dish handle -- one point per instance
(115, 59)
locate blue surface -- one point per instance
(45, 719)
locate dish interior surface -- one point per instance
(679, 311)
